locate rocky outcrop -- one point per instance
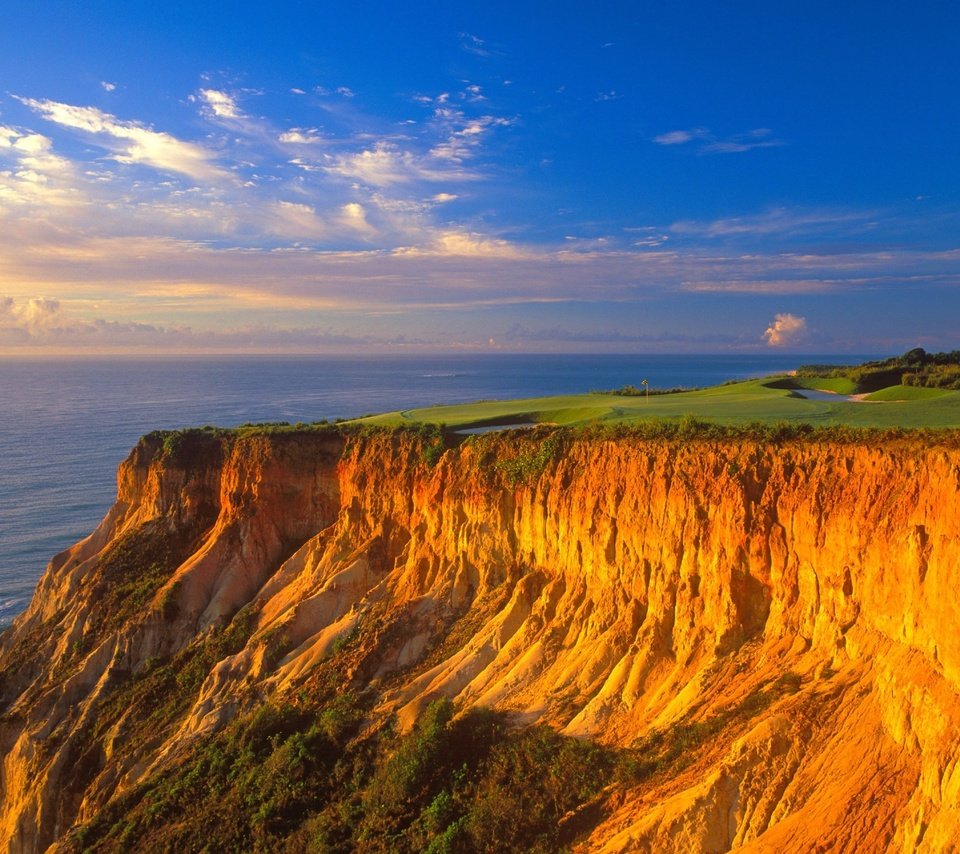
(613, 588)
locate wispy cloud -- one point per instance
(466, 135)
(678, 137)
(778, 221)
(385, 164)
(132, 142)
(474, 44)
(342, 214)
(302, 136)
(709, 143)
(342, 91)
(473, 93)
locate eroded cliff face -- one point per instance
(613, 589)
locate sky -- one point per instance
(364, 177)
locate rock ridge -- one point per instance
(613, 587)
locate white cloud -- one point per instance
(785, 330)
(775, 221)
(221, 104)
(342, 91)
(473, 44)
(44, 324)
(36, 316)
(385, 164)
(39, 177)
(467, 135)
(109, 87)
(301, 136)
(454, 243)
(132, 142)
(651, 241)
(295, 220)
(676, 137)
(712, 144)
(354, 217)
(442, 198)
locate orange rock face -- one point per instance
(616, 588)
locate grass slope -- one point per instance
(907, 392)
(734, 404)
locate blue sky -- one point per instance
(311, 177)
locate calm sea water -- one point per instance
(66, 425)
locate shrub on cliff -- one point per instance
(532, 458)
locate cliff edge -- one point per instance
(756, 637)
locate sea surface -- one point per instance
(65, 425)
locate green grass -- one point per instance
(733, 404)
(839, 385)
(907, 392)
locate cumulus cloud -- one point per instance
(36, 318)
(220, 104)
(107, 86)
(786, 329)
(39, 177)
(132, 142)
(45, 324)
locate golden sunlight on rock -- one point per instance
(767, 629)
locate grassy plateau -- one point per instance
(768, 401)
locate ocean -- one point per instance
(65, 425)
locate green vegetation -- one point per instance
(127, 578)
(769, 401)
(530, 460)
(739, 405)
(838, 385)
(306, 774)
(301, 777)
(906, 392)
(433, 442)
(925, 387)
(914, 368)
(152, 701)
(630, 390)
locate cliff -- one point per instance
(766, 630)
